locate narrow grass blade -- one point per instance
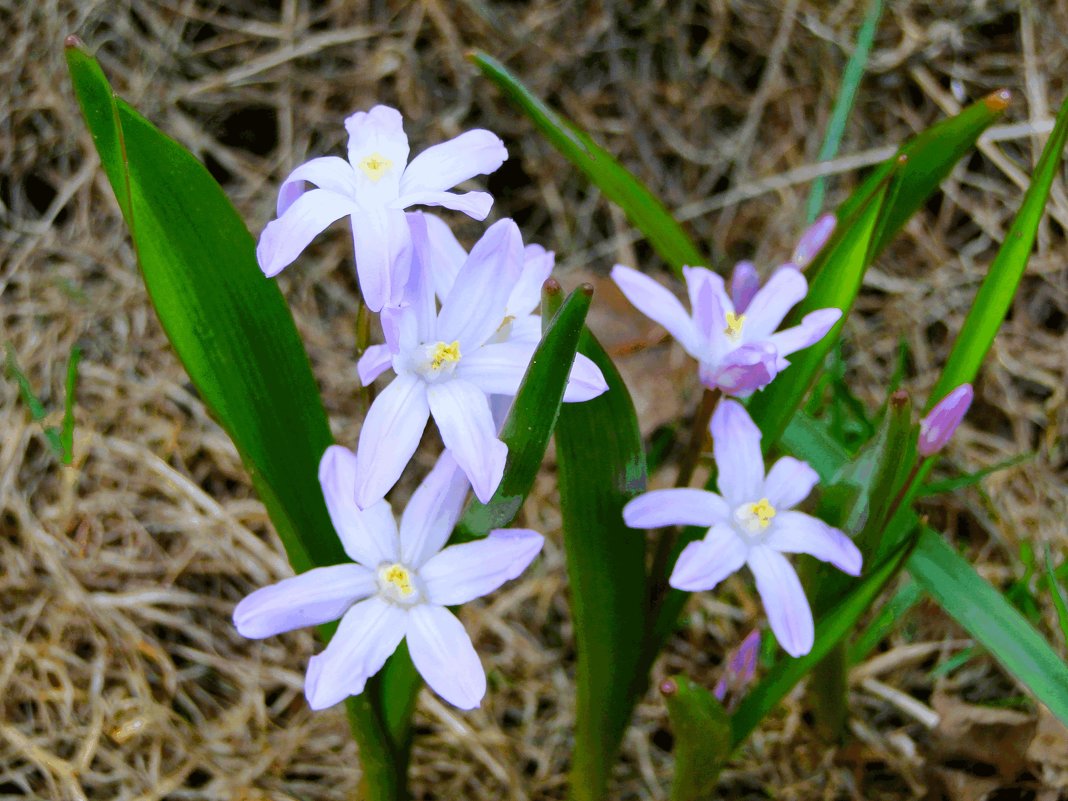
(1057, 594)
(829, 631)
(33, 403)
(702, 733)
(533, 417)
(843, 104)
(601, 466)
(932, 488)
(886, 620)
(66, 434)
(619, 185)
(985, 614)
(999, 287)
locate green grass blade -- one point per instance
(843, 104)
(932, 488)
(33, 403)
(985, 614)
(1057, 594)
(533, 417)
(830, 630)
(66, 435)
(999, 287)
(642, 207)
(886, 620)
(601, 466)
(702, 738)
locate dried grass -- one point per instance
(120, 673)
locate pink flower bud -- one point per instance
(938, 426)
(813, 240)
(741, 666)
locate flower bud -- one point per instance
(813, 240)
(938, 426)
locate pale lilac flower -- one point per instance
(938, 427)
(740, 668)
(752, 523)
(448, 363)
(732, 336)
(373, 187)
(399, 587)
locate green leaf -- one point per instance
(619, 185)
(843, 105)
(66, 434)
(1057, 594)
(532, 419)
(702, 733)
(601, 466)
(236, 339)
(985, 614)
(33, 403)
(971, 479)
(886, 620)
(999, 287)
(829, 631)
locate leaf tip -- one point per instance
(74, 42)
(899, 399)
(586, 289)
(999, 100)
(668, 687)
(551, 287)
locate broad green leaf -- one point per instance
(533, 416)
(886, 620)
(843, 104)
(619, 185)
(999, 287)
(236, 339)
(985, 614)
(830, 630)
(601, 466)
(702, 734)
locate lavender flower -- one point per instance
(751, 523)
(447, 364)
(740, 668)
(938, 427)
(399, 587)
(373, 188)
(732, 336)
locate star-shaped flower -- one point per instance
(373, 187)
(448, 363)
(751, 523)
(399, 587)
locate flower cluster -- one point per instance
(460, 330)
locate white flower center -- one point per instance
(375, 166)
(734, 327)
(754, 518)
(437, 360)
(397, 584)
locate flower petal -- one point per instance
(390, 434)
(475, 307)
(420, 308)
(744, 370)
(283, 239)
(329, 172)
(464, 572)
(736, 447)
(476, 205)
(378, 153)
(745, 282)
(526, 294)
(784, 290)
(382, 242)
(585, 381)
(938, 427)
(708, 300)
(659, 305)
(367, 635)
(676, 507)
(432, 511)
(444, 656)
(369, 536)
(498, 368)
(443, 166)
(784, 600)
(789, 482)
(812, 328)
(447, 254)
(796, 532)
(463, 416)
(375, 361)
(705, 563)
(317, 596)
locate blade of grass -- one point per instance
(33, 403)
(932, 488)
(66, 435)
(1057, 594)
(642, 207)
(843, 104)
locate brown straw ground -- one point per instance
(121, 676)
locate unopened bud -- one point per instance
(741, 667)
(937, 428)
(813, 240)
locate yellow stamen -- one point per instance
(734, 325)
(444, 354)
(375, 166)
(763, 512)
(399, 577)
